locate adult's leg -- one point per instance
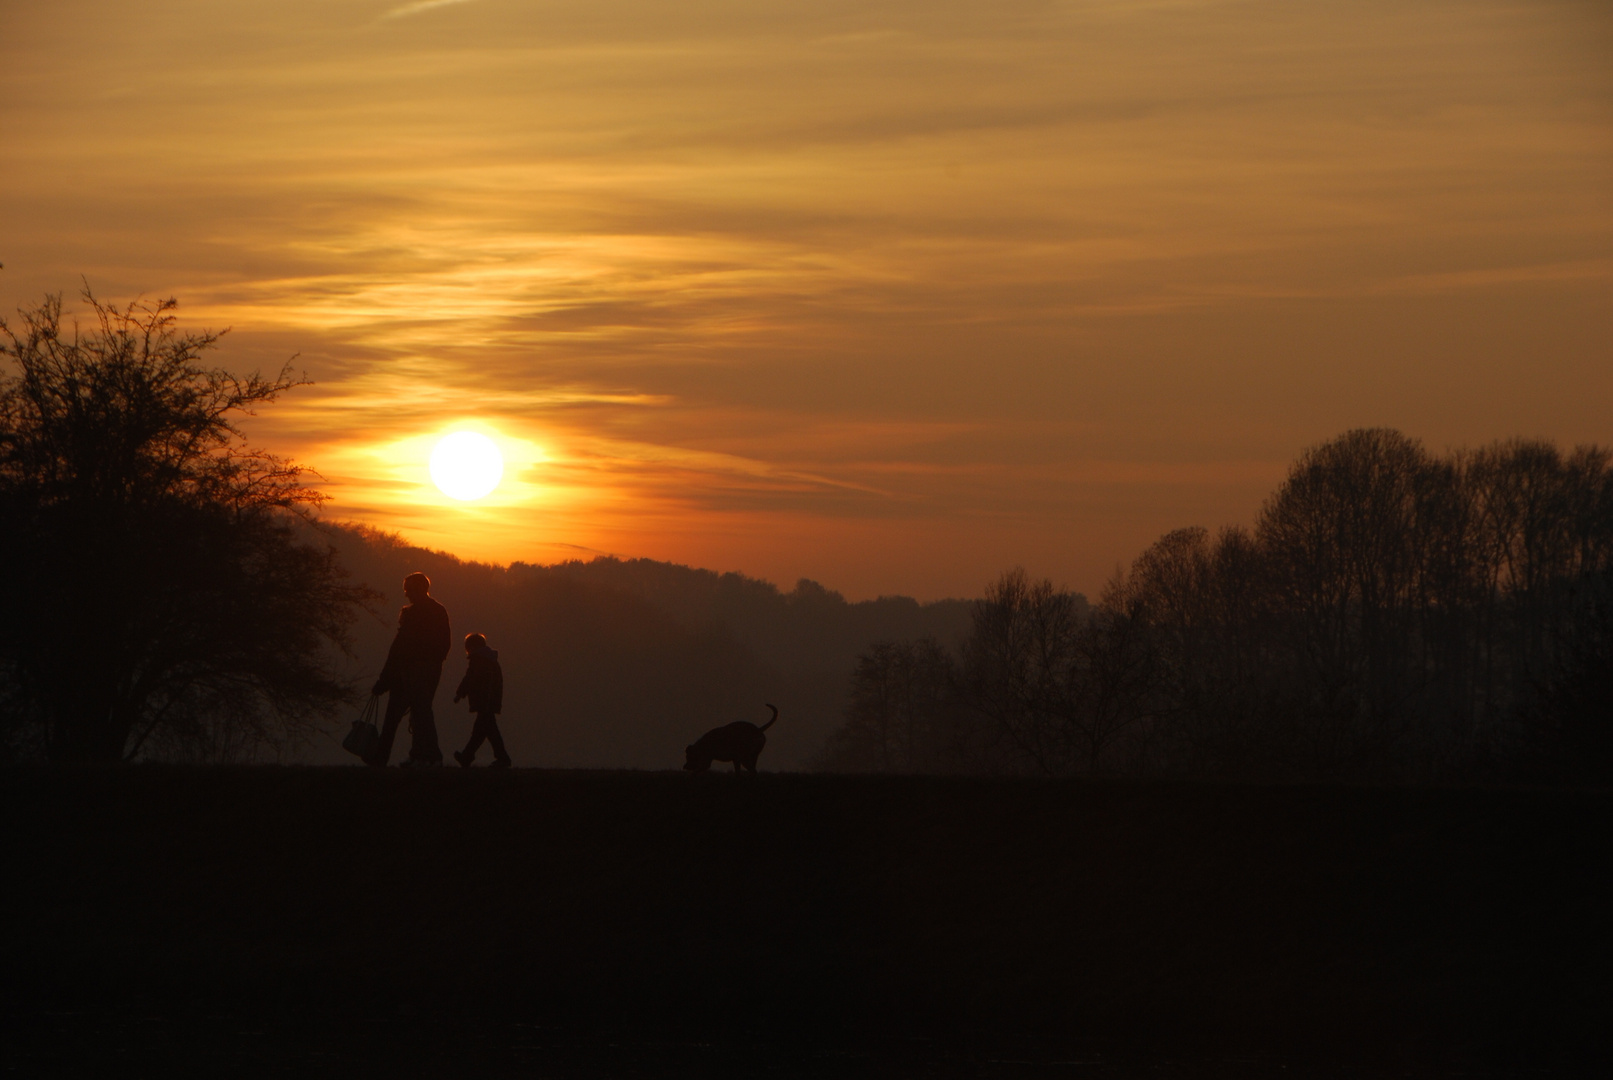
(396, 705)
(423, 725)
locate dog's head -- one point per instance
(694, 761)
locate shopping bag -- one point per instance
(364, 739)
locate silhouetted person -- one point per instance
(484, 685)
(413, 669)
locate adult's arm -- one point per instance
(444, 639)
(394, 662)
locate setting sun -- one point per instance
(466, 465)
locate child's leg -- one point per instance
(478, 732)
(494, 736)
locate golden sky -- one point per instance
(894, 296)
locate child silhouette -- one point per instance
(484, 685)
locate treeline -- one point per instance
(1393, 616)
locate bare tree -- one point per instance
(902, 715)
(1342, 540)
(1018, 668)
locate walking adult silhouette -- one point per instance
(413, 669)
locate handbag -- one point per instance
(364, 739)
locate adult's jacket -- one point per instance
(483, 682)
(414, 663)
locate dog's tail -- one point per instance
(775, 717)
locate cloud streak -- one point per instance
(403, 11)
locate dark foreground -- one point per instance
(647, 924)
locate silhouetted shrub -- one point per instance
(160, 595)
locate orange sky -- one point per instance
(893, 296)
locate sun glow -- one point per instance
(466, 465)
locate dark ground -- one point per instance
(589, 924)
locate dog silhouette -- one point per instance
(739, 742)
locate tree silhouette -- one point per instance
(161, 593)
(901, 715)
(1393, 615)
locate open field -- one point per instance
(638, 924)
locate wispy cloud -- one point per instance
(403, 11)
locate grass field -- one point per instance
(639, 924)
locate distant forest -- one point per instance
(621, 663)
(1392, 616)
